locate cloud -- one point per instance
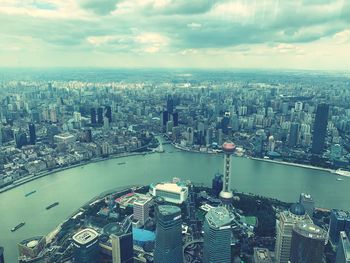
(99, 7)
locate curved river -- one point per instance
(74, 187)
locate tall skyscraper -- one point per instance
(340, 221)
(0, 132)
(108, 113)
(122, 244)
(226, 194)
(293, 134)
(176, 119)
(168, 247)
(32, 134)
(217, 184)
(170, 104)
(320, 128)
(343, 249)
(2, 257)
(308, 242)
(93, 116)
(164, 118)
(86, 246)
(100, 115)
(287, 221)
(217, 236)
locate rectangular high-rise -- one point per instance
(320, 128)
(340, 221)
(32, 134)
(141, 209)
(122, 247)
(343, 250)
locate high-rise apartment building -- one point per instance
(141, 209)
(320, 128)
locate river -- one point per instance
(74, 187)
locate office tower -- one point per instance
(20, 139)
(262, 255)
(164, 118)
(100, 115)
(293, 134)
(32, 134)
(105, 123)
(308, 203)
(217, 184)
(308, 242)
(271, 146)
(168, 247)
(340, 221)
(86, 246)
(176, 119)
(170, 104)
(320, 129)
(190, 136)
(343, 249)
(226, 194)
(108, 113)
(141, 209)
(2, 257)
(217, 236)
(287, 221)
(87, 135)
(122, 243)
(93, 116)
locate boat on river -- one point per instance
(17, 227)
(30, 193)
(52, 205)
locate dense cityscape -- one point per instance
(293, 118)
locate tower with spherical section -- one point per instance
(226, 194)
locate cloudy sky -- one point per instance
(295, 34)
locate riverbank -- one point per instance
(30, 178)
(185, 149)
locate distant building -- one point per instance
(20, 139)
(343, 250)
(2, 257)
(86, 246)
(287, 221)
(294, 134)
(308, 242)
(320, 128)
(32, 134)
(168, 247)
(308, 203)
(217, 236)
(340, 221)
(100, 115)
(164, 118)
(262, 255)
(64, 138)
(175, 193)
(141, 209)
(108, 113)
(217, 184)
(93, 119)
(176, 119)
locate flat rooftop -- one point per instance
(218, 217)
(85, 236)
(170, 187)
(310, 230)
(262, 254)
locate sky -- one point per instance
(214, 34)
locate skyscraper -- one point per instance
(32, 134)
(100, 115)
(122, 246)
(176, 119)
(343, 250)
(308, 203)
(340, 221)
(293, 134)
(308, 242)
(108, 113)
(287, 221)
(93, 116)
(141, 209)
(217, 184)
(164, 118)
(170, 104)
(168, 247)
(320, 128)
(217, 236)
(86, 246)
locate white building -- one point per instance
(141, 209)
(175, 193)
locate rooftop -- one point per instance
(218, 217)
(262, 254)
(170, 187)
(310, 230)
(85, 236)
(166, 210)
(346, 244)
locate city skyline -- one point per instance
(176, 34)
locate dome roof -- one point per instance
(297, 209)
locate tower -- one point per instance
(122, 243)
(308, 242)
(100, 115)
(320, 128)
(287, 221)
(168, 247)
(343, 250)
(217, 236)
(85, 246)
(108, 113)
(32, 134)
(141, 209)
(93, 116)
(226, 194)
